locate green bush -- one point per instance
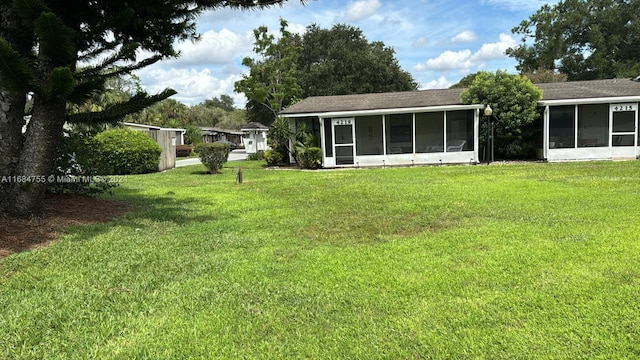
(76, 167)
(311, 158)
(183, 150)
(257, 156)
(123, 151)
(273, 158)
(213, 155)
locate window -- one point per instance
(460, 130)
(369, 135)
(328, 138)
(430, 132)
(593, 125)
(399, 130)
(562, 127)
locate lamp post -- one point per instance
(487, 113)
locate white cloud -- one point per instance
(464, 60)
(441, 83)
(495, 50)
(448, 60)
(214, 47)
(361, 9)
(465, 36)
(192, 85)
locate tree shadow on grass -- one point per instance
(61, 212)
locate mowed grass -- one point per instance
(503, 261)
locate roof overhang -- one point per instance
(142, 126)
(585, 101)
(351, 113)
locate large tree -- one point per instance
(334, 61)
(42, 42)
(584, 39)
(341, 61)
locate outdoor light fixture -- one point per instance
(488, 112)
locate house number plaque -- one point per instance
(624, 107)
(343, 122)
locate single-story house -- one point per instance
(254, 137)
(590, 120)
(582, 120)
(213, 134)
(177, 134)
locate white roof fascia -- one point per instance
(174, 129)
(143, 126)
(352, 113)
(600, 100)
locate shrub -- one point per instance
(213, 155)
(311, 158)
(123, 151)
(272, 157)
(76, 162)
(257, 156)
(183, 150)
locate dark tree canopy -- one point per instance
(584, 39)
(42, 44)
(341, 60)
(225, 102)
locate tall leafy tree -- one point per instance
(42, 42)
(271, 84)
(584, 39)
(341, 61)
(225, 102)
(514, 101)
(332, 61)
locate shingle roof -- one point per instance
(590, 89)
(254, 126)
(360, 102)
(427, 98)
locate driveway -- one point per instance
(235, 155)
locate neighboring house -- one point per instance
(400, 128)
(582, 120)
(177, 134)
(167, 138)
(590, 120)
(213, 134)
(255, 137)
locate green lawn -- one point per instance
(502, 261)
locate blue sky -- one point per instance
(437, 41)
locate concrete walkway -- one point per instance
(235, 155)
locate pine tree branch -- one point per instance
(117, 112)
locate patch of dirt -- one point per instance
(59, 211)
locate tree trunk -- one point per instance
(12, 106)
(11, 122)
(42, 138)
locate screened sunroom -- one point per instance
(391, 129)
(591, 120)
